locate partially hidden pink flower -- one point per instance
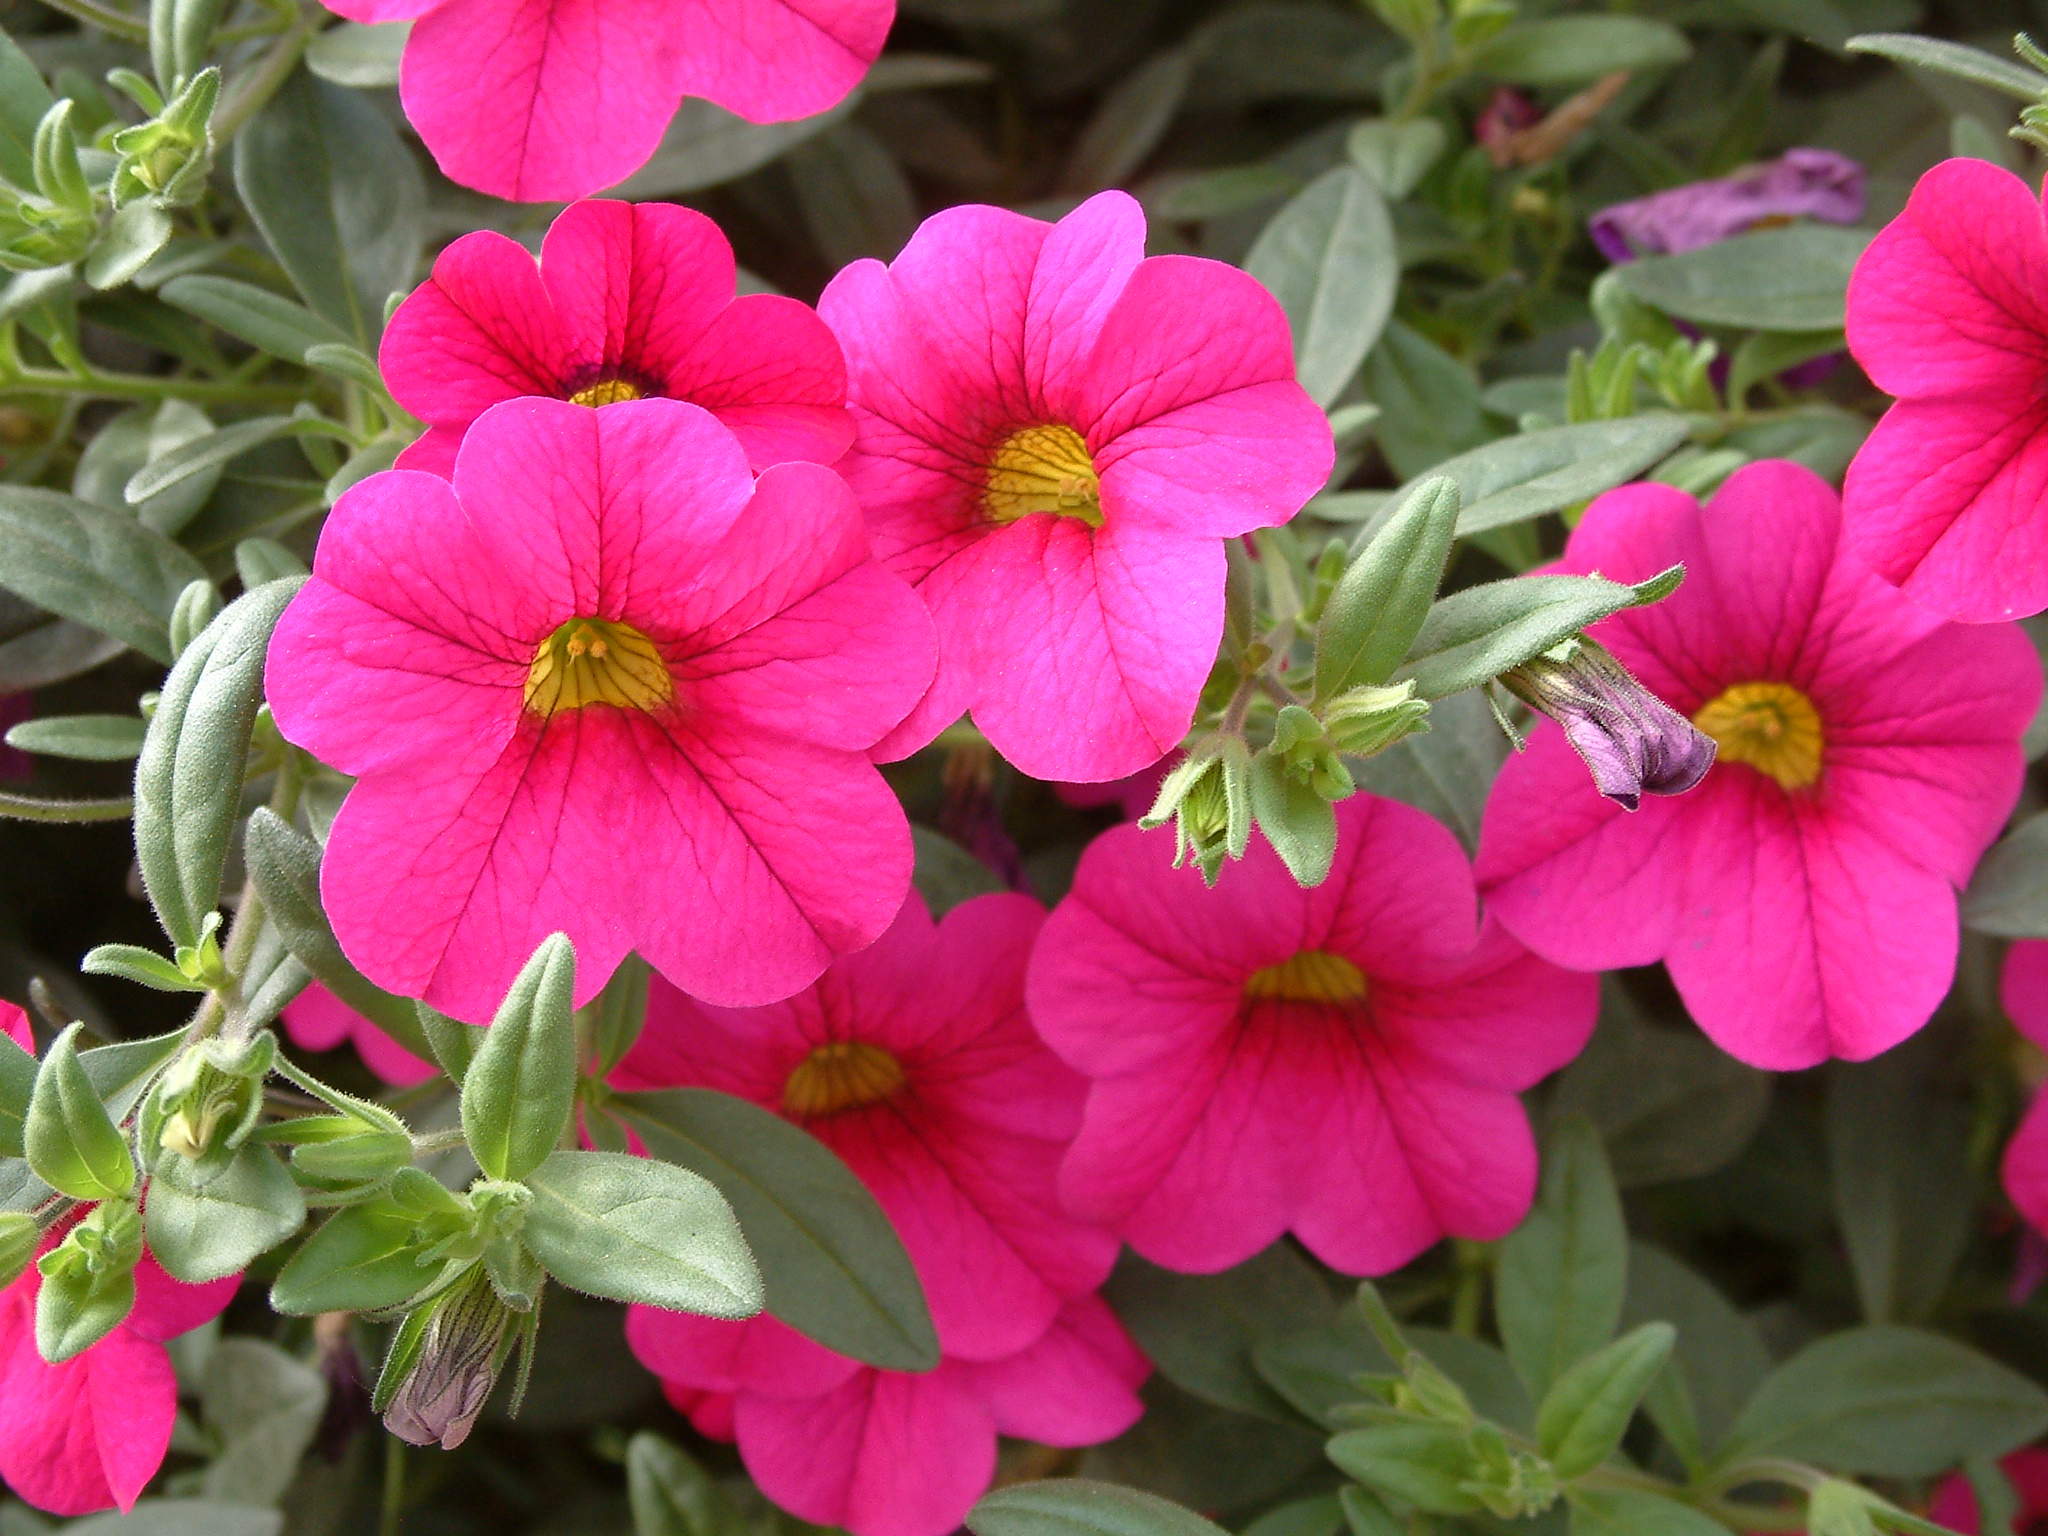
(2023, 991)
(89, 1434)
(1055, 436)
(1868, 753)
(1132, 794)
(1955, 1503)
(1948, 311)
(604, 683)
(915, 1062)
(888, 1453)
(540, 100)
(1339, 1062)
(627, 301)
(1801, 183)
(317, 1020)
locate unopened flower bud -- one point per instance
(1208, 798)
(170, 156)
(459, 1356)
(1633, 741)
(210, 1099)
(1307, 755)
(1368, 720)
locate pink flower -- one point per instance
(1948, 310)
(90, 1433)
(627, 301)
(604, 684)
(1339, 1062)
(2023, 990)
(1054, 435)
(539, 100)
(1868, 754)
(1955, 1504)
(888, 1453)
(915, 1062)
(317, 1020)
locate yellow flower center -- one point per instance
(605, 392)
(1043, 469)
(1773, 727)
(841, 1074)
(594, 661)
(1312, 976)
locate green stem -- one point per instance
(264, 82)
(28, 808)
(138, 386)
(392, 1514)
(106, 19)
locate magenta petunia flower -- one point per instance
(888, 1453)
(914, 1061)
(606, 684)
(1055, 436)
(2023, 991)
(1869, 753)
(317, 1020)
(1948, 310)
(628, 301)
(540, 100)
(1801, 183)
(1954, 1505)
(89, 1434)
(1340, 1062)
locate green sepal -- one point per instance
(521, 1089)
(67, 1137)
(88, 1282)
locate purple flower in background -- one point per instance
(1801, 183)
(15, 763)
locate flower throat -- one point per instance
(1773, 727)
(1043, 469)
(841, 1074)
(1312, 976)
(596, 661)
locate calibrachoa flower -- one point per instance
(888, 1453)
(2023, 990)
(1801, 183)
(1339, 1062)
(603, 664)
(915, 1062)
(537, 100)
(1948, 310)
(1868, 754)
(317, 1020)
(1054, 435)
(1955, 1504)
(628, 300)
(89, 1434)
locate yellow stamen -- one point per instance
(594, 661)
(841, 1074)
(1312, 976)
(605, 392)
(1043, 469)
(1773, 727)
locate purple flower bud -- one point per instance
(1801, 183)
(457, 1365)
(1633, 741)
